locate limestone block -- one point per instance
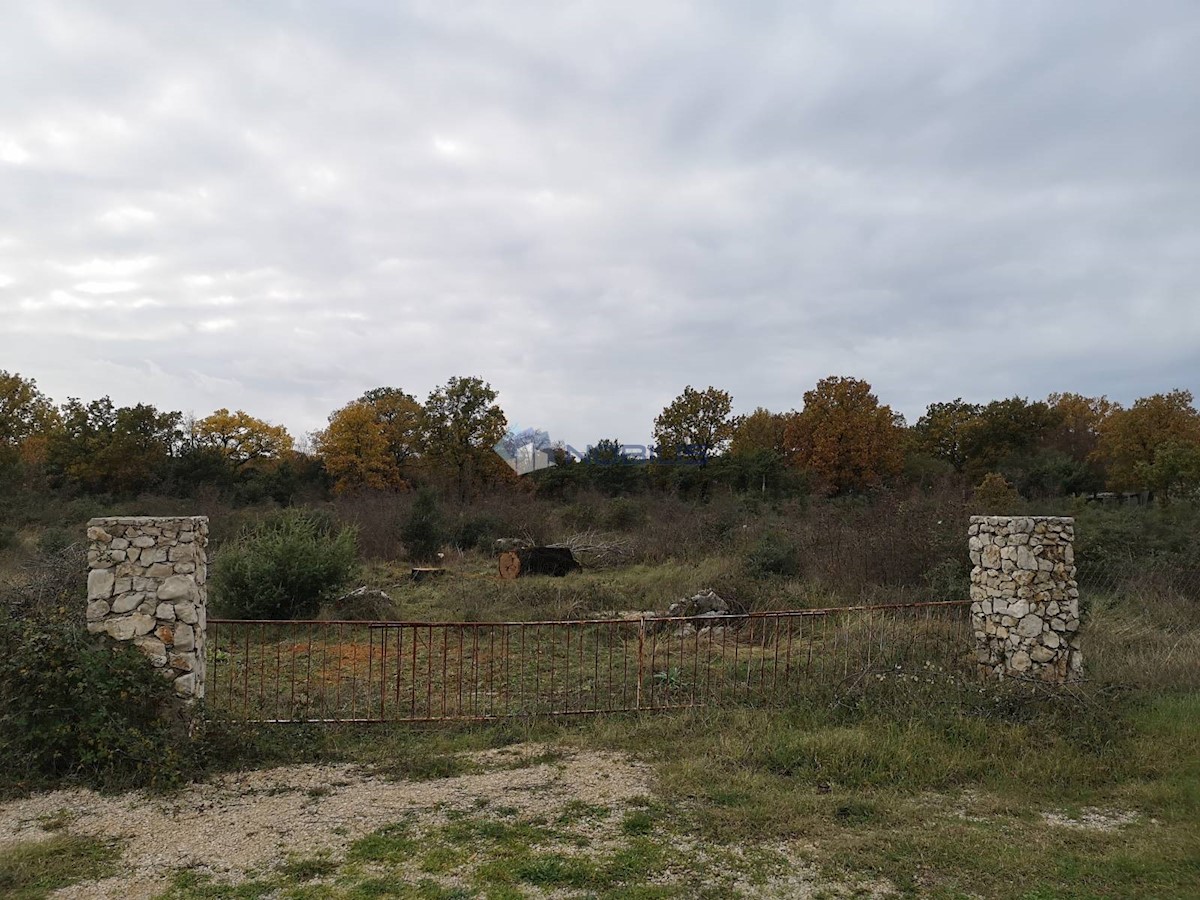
(100, 584)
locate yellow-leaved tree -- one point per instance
(845, 437)
(1153, 445)
(242, 438)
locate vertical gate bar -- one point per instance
(596, 650)
(382, 673)
(278, 678)
(429, 676)
(261, 711)
(460, 669)
(445, 663)
(582, 638)
(641, 662)
(413, 685)
(537, 666)
(246, 675)
(337, 662)
(341, 657)
(608, 691)
(400, 666)
(787, 668)
(324, 666)
(308, 694)
(695, 664)
(567, 672)
(370, 674)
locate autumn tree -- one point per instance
(1080, 421)
(241, 438)
(845, 437)
(1132, 441)
(462, 425)
(760, 433)
(400, 419)
(355, 450)
(26, 419)
(943, 431)
(696, 425)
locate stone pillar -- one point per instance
(1024, 600)
(146, 584)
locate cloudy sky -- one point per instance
(277, 205)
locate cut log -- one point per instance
(556, 561)
(420, 573)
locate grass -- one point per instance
(34, 869)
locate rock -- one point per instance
(121, 629)
(1041, 654)
(100, 584)
(185, 611)
(1030, 626)
(153, 648)
(185, 637)
(127, 602)
(1019, 661)
(97, 610)
(185, 685)
(178, 587)
(143, 540)
(165, 612)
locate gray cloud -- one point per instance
(275, 206)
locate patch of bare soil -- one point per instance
(250, 821)
(1092, 819)
(243, 825)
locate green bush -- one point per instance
(71, 706)
(286, 566)
(623, 514)
(773, 556)
(423, 533)
(477, 531)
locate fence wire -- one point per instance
(354, 671)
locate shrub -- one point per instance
(285, 566)
(772, 556)
(477, 531)
(70, 706)
(623, 514)
(424, 532)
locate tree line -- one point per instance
(842, 440)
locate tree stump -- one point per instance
(556, 561)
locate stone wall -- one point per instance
(146, 584)
(1024, 600)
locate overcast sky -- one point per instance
(277, 205)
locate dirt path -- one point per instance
(248, 822)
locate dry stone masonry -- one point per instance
(146, 584)
(1024, 599)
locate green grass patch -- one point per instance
(32, 870)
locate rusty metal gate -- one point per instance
(354, 671)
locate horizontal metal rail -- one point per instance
(354, 671)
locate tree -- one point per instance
(356, 452)
(241, 438)
(1132, 439)
(605, 452)
(942, 431)
(1079, 423)
(761, 433)
(103, 448)
(462, 426)
(1174, 472)
(26, 418)
(845, 437)
(400, 419)
(1005, 429)
(696, 425)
